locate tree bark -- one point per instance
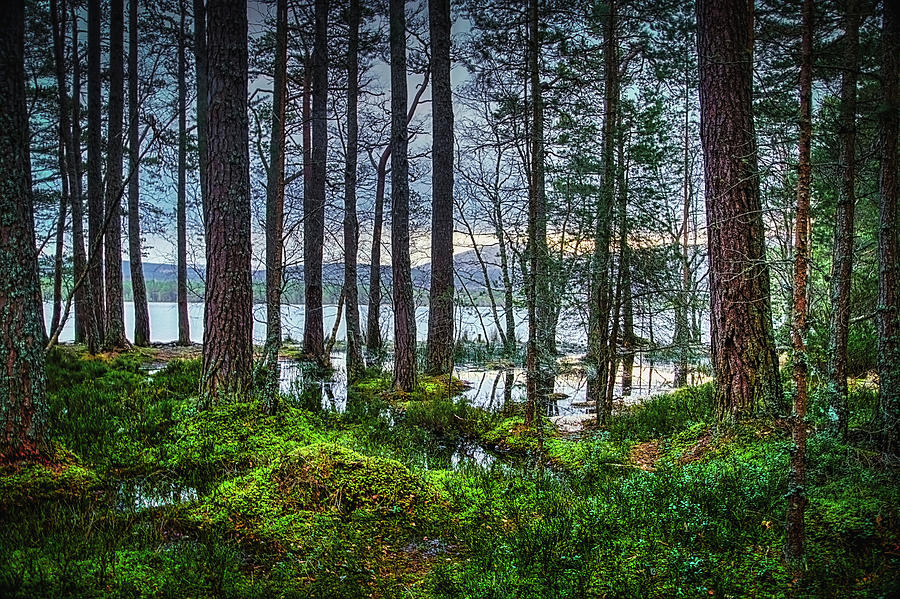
(842, 253)
(22, 402)
(184, 326)
(373, 320)
(201, 79)
(404, 306)
(439, 353)
(227, 334)
(539, 361)
(355, 362)
(601, 292)
(796, 530)
(275, 209)
(57, 26)
(743, 346)
(96, 214)
(84, 321)
(314, 208)
(888, 256)
(135, 260)
(114, 336)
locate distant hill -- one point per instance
(466, 264)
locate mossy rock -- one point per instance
(511, 434)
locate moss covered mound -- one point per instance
(60, 478)
(325, 476)
(232, 437)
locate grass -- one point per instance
(369, 503)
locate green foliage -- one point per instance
(378, 501)
(664, 414)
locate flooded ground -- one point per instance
(492, 388)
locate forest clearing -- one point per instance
(449, 299)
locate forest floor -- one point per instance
(424, 495)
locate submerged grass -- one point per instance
(377, 501)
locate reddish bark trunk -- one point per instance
(227, 340)
(355, 362)
(842, 256)
(114, 336)
(22, 402)
(135, 260)
(439, 352)
(743, 346)
(796, 530)
(404, 306)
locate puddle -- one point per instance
(144, 493)
(493, 389)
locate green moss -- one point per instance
(32, 483)
(228, 438)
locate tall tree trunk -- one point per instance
(275, 209)
(842, 256)
(622, 209)
(404, 305)
(599, 308)
(796, 530)
(743, 345)
(628, 337)
(888, 256)
(439, 352)
(22, 403)
(355, 362)
(201, 79)
(96, 215)
(314, 208)
(373, 320)
(84, 321)
(539, 361)
(683, 336)
(227, 334)
(135, 260)
(184, 325)
(57, 23)
(115, 308)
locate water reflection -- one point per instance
(144, 493)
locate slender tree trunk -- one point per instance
(599, 308)
(184, 325)
(439, 352)
(373, 320)
(115, 308)
(743, 345)
(57, 23)
(627, 323)
(22, 403)
(404, 306)
(796, 530)
(888, 256)
(683, 336)
(509, 316)
(201, 79)
(539, 362)
(355, 362)
(622, 209)
(842, 256)
(135, 260)
(275, 209)
(227, 334)
(84, 321)
(96, 215)
(314, 209)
